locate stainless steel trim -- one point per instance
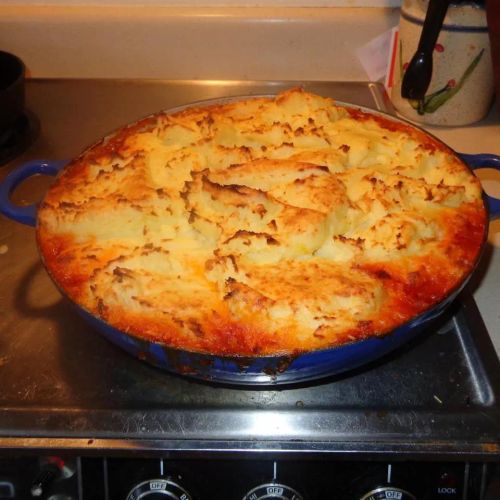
(255, 449)
(484, 476)
(79, 477)
(466, 481)
(105, 478)
(382, 100)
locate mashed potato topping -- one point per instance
(262, 226)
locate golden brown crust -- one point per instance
(262, 226)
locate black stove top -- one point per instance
(65, 387)
(72, 388)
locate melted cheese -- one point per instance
(262, 226)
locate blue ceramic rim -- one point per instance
(267, 370)
(25, 214)
(484, 160)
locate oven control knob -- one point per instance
(273, 490)
(161, 489)
(388, 492)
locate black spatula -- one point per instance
(418, 74)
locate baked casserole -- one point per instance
(262, 226)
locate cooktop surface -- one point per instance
(63, 385)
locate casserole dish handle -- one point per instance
(485, 161)
(25, 214)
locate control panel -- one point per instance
(62, 478)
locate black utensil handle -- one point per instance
(418, 74)
(433, 23)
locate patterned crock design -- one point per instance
(461, 88)
(433, 101)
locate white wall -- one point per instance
(159, 41)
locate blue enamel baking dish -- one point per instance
(259, 370)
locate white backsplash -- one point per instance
(192, 42)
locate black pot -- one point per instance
(11, 93)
